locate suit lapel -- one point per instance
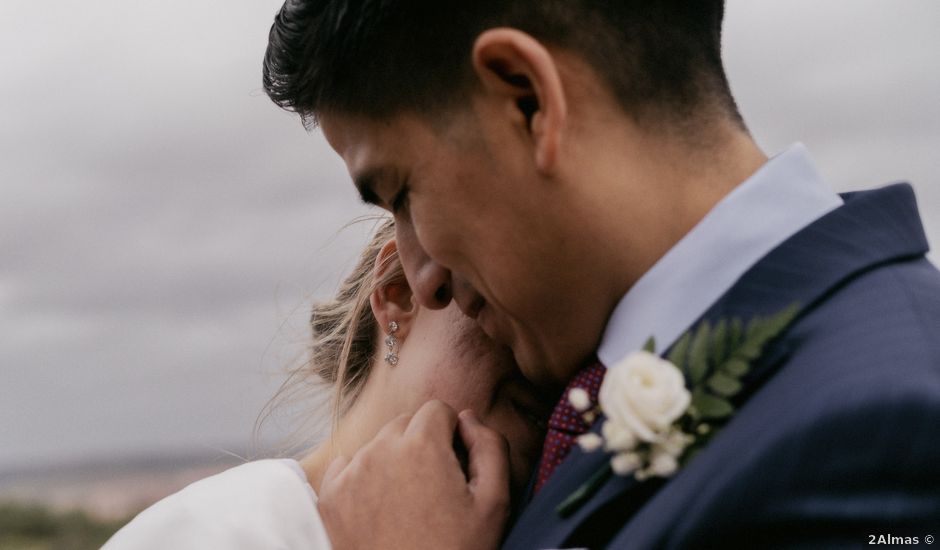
(873, 228)
(532, 529)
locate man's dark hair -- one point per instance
(382, 57)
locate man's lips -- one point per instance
(471, 308)
(478, 311)
(488, 323)
(475, 306)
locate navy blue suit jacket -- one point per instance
(837, 435)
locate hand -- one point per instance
(406, 489)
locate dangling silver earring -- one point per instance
(391, 343)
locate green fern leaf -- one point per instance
(719, 347)
(711, 406)
(778, 323)
(753, 328)
(749, 350)
(736, 330)
(724, 385)
(736, 368)
(680, 350)
(698, 354)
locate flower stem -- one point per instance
(571, 504)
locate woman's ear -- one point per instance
(391, 301)
(514, 66)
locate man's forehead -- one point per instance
(363, 143)
(342, 132)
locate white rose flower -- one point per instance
(644, 393)
(590, 442)
(617, 437)
(674, 442)
(579, 399)
(624, 463)
(663, 464)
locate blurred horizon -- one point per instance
(164, 228)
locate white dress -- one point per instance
(266, 504)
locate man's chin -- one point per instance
(535, 368)
(534, 362)
(548, 370)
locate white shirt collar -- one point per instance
(785, 195)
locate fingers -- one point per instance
(406, 489)
(336, 467)
(436, 420)
(395, 426)
(489, 460)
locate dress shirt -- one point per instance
(785, 195)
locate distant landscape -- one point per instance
(81, 505)
(37, 527)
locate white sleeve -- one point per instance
(266, 504)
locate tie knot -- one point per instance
(564, 416)
(567, 423)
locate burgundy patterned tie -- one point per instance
(566, 424)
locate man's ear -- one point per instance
(392, 301)
(514, 65)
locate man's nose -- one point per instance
(431, 285)
(429, 281)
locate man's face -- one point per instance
(476, 222)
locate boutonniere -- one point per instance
(660, 412)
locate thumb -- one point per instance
(488, 468)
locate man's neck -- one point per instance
(781, 198)
(660, 190)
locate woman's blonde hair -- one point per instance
(345, 336)
(344, 329)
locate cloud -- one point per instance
(851, 79)
(160, 219)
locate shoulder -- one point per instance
(866, 356)
(261, 504)
(860, 377)
(841, 437)
(839, 462)
(900, 300)
(873, 339)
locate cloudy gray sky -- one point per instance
(163, 228)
